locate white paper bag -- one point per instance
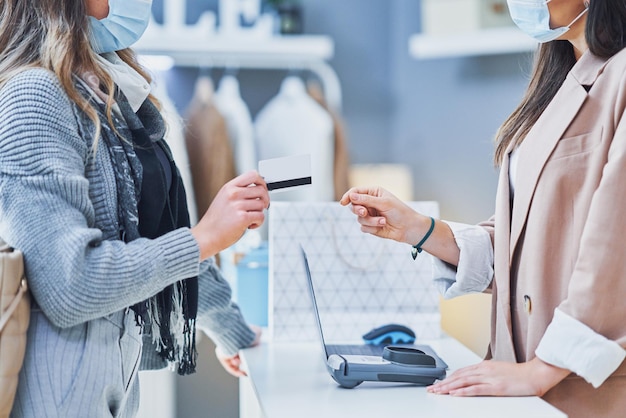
(361, 281)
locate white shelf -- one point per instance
(222, 50)
(491, 41)
(289, 52)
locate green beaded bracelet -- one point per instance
(417, 248)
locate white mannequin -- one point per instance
(292, 123)
(239, 121)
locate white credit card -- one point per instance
(286, 173)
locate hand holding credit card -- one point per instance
(286, 173)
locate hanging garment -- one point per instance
(239, 122)
(208, 146)
(292, 123)
(342, 154)
(175, 138)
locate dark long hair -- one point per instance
(54, 34)
(605, 35)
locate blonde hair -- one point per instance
(54, 35)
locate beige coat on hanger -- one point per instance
(208, 146)
(342, 154)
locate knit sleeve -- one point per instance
(218, 316)
(39, 135)
(46, 211)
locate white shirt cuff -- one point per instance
(475, 270)
(572, 345)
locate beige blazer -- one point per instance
(563, 241)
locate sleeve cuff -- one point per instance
(230, 340)
(572, 345)
(475, 270)
(239, 336)
(181, 253)
(218, 316)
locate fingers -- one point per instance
(363, 211)
(249, 212)
(454, 381)
(250, 205)
(488, 378)
(364, 204)
(368, 218)
(352, 195)
(252, 186)
(255, 219)
(345, 199)
(372, 221)
(248, 217)
(358, 210)
(231, 364)
(474, 390)
(239, 189)
(251, 192)
(249, 178)
(456, 384)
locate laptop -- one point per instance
(354, 349)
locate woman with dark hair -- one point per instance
(90, 193)
(552, 255)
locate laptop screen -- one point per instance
(313, 300)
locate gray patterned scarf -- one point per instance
(152, 202)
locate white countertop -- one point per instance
(290, 380)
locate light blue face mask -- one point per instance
(126, 22)
(533, 17)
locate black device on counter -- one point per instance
(389, 334)
(351, 364)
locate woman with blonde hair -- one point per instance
(552, 254)
(89, 192)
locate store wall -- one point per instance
(437, 116)
(446, 112)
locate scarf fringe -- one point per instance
(173, 336)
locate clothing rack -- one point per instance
(205, 45)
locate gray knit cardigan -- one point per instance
(58, 205)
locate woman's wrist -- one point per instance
(546, 376)
(204, 243)
(417, 229)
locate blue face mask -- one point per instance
(533, 17)
(126, 22)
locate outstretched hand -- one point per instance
(238, 206)
(382, 214)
